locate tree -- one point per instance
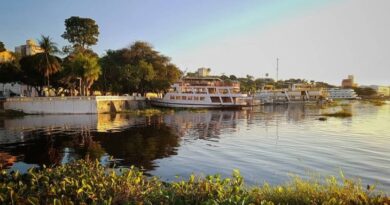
(83, 68)
(138, 68)
(365, 91)
(81, 32)
(30, 74)
(2, 47)
(9, 73)
(46, 62)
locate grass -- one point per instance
(340, 114)
(86, 182)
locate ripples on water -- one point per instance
(267, 143)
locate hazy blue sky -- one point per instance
(318, 39)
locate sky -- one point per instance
(322, 40)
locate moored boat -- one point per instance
(203, 92)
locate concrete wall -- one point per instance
(74, 105)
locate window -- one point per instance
(201, 98)
(189, 98)
(183, 97)
(223, 91)
(212, 90)
(177, 97)
(196, 98)
(226, 99)
(215, 100)
(172, 97)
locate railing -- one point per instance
(97, 98)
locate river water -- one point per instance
(268, 143)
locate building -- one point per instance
(31, 48)
(16, 89)
(349, 82)
(203, 72)
(6, 56)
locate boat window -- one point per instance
(177, 97)
(236, 90)
(172, 97)
(212, 90)
(189, 98)
(196, 98)
(200, 90)
(201, 98)
(226, 99)
(215, 99)
(184, 97)
(223, 91)
(187, 90)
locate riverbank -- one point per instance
(86, 182)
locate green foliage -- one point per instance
(365, 91)
(82, 66)
(30, 74)
(138, 68)
(86, 182)
(9, 72)
(81, 32)
(2, 47)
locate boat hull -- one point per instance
(162, 103)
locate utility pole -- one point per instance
(277, 69)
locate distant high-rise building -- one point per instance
(349, 82)
(204, 72)
(31, 48)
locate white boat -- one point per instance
(203, 92)
(339, 93)
(298, 93)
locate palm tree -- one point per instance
(48, 63)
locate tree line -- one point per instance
(77, 69)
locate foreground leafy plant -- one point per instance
(85, 182)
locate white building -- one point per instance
(31, 48)
(16, 89)
(203, 72)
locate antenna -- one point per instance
(277, 69)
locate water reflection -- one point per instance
(266, 142)
(131, 140)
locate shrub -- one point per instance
(85, 182)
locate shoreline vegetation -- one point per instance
(89, 182)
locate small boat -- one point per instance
(203, 92)
(298, 93)
(339, 93)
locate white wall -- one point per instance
(61, 105)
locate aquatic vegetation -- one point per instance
(377, 102)
(341, 114)
(86, 182)
(322, 118)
